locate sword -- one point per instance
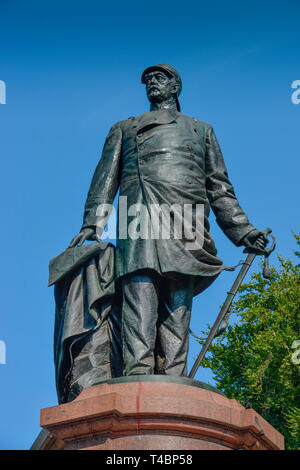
(226, 307)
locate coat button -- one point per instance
(141, 147)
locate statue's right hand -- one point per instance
(81, 237)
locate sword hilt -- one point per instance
(265, 252)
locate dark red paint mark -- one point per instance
(138, 416)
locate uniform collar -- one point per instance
(162, 116)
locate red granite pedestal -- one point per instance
(147, 415)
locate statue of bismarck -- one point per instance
(163, 157)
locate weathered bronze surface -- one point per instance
(160, 157)
(87, 334)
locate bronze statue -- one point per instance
(163, 157)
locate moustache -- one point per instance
(154, 88)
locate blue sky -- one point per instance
(72, 69)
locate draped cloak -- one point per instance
(87, 308)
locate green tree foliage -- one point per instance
(255, 360)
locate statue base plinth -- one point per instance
(156, 413)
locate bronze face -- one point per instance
(160, 87)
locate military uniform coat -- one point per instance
(165, 157)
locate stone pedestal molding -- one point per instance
(155, 415)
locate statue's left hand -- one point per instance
(257, 238)
(81, 237)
